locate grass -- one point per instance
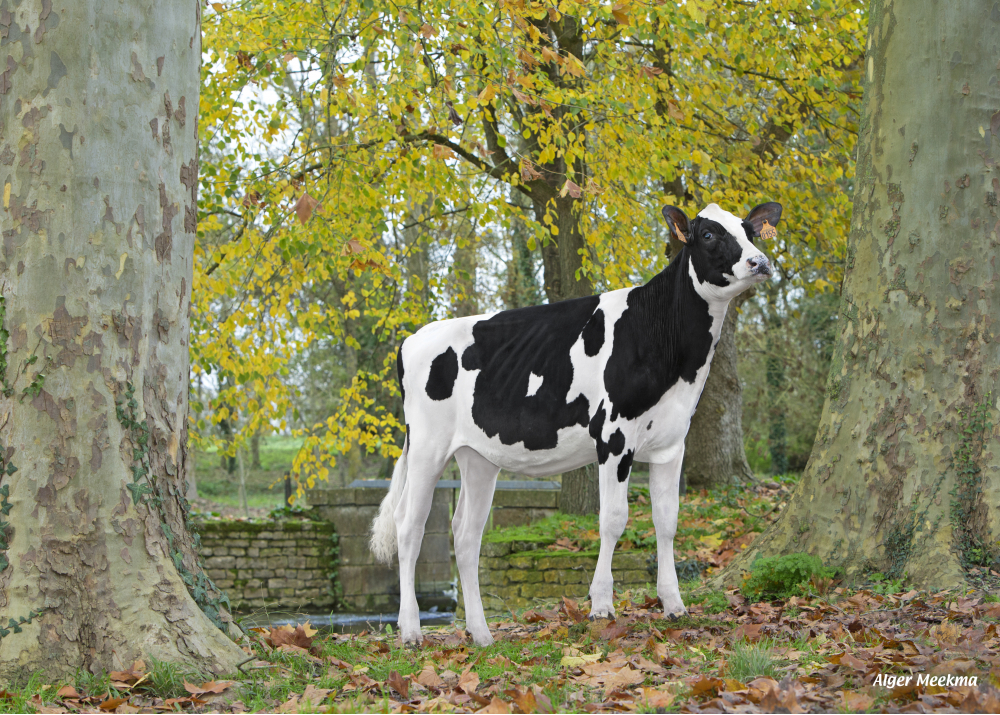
(167, 679)
(218, 485)
(712, 601)
(752, 660)
(20, 694)
(707, 519)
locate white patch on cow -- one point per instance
(534, 382)
(588, 371)
(714, 212)
(734, 226)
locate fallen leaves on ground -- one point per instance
(131, 692)
(826, 654)
(288, 637)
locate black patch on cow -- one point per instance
(662, 337)
(625, 466)
(649, 426)
(713, 251)
(399, 373)
(615, 443)
(748, 227)
(593, 334)
(444, 370)
(510, 346)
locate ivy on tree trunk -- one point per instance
(99, 211)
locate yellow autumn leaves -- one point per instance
(344, 144)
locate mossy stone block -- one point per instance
(521, 561)
(569, 561)
(631, 560)
(524, 576)
(526, 498)
(494, 549)
(633, 578)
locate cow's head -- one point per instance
(721, 246)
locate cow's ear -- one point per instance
(677, 220)
(769, 213)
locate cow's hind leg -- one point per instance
(422, 474)
(664, 480)
(479, 479)
(613, 518)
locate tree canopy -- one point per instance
(351, 152)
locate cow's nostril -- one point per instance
(759, 265)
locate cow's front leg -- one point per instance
(614, 517)
(664, 482)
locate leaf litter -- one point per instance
(832, 653)
(836, 650)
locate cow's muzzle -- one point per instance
(759, 266)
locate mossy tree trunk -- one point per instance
(904, 477)
(99, 169)
(714, 455)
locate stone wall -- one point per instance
(270, 564)
(288, 564)
(370, 587)
(518, 507)
(521, 575)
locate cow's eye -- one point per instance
(708, 236)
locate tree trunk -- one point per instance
(255, 451)
(713, 453)
(580, 493)
(904, 477)
(777, 434)
(465, 299)
(522, 287)
(99, 167)
(561, 258)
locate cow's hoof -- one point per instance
(602, 617)
(675, 616)
(412, 642)
(483, 641)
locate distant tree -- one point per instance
(444, 112)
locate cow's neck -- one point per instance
(679, 301)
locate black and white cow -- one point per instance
(610, 378)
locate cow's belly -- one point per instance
(575, 449)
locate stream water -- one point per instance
(338, 622)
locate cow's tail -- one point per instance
(383, 536)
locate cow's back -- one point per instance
(504, 383)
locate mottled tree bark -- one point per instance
(900, 480)
(713, 449)
(465, 266)
(99, 169)
(255, 451)
(580, 491)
